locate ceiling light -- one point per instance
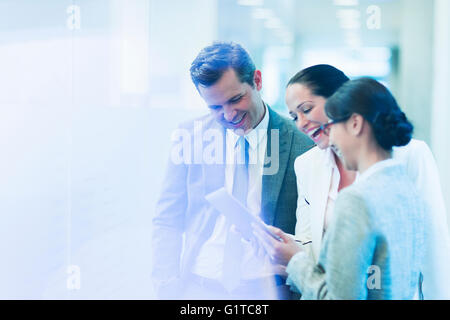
(262, 13)
(250, 3)
(346, 2)
(273, 23)
(349, 18)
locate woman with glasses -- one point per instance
(321, 174)
(373, 246)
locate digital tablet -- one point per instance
(238, 214)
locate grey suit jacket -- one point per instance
(184, 220)
(373, 248)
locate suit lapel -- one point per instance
(271, 183)
(320, 185)
(214, 173)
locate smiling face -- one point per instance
(339, 138)
(235, 105)
(347, 139)
(308, 111)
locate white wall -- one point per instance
(440, 127)
(415, 69)
(86, 118)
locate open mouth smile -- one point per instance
(313, 133)
(239, 121)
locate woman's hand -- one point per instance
(280, 252)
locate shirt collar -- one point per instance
(330, 160)
(380, 165)
(328, 157)
(255, 136)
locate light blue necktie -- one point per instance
(240, 181)
(233, 252)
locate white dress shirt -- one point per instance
(210, 259)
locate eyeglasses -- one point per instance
(325, 127)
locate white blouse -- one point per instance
(334, 187)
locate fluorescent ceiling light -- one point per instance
(346, 2)
(250, 3)
(262, 13)
(349, 18)
(286, 36)
(349, 14)
(273, 23)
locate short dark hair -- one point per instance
(322, 79)
(373, 101)
(210, 64)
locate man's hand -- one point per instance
(280, 252)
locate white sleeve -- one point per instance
(422, 169)
(303, 224)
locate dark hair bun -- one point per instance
(392, 129)
(372, 100)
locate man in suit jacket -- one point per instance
(191, 239)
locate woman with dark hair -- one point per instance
(373, 247)
(321, 175)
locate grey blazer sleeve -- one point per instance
(346, 256)
(168, 227)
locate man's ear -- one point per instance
(257, 80)
(356, 124)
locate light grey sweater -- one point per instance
(373, 248)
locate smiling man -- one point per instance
(235, 105)
(197, 254)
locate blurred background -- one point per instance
(91, 90)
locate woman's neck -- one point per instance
(347, 177)
(371, 156)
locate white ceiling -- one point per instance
(315, 22)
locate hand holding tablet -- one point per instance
(238, 214)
